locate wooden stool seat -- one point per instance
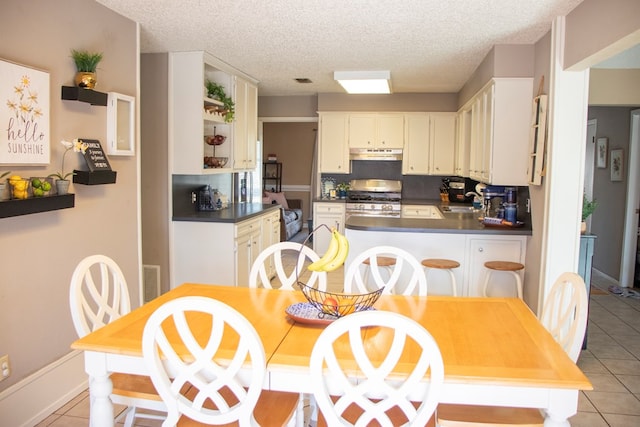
(503, 266)
(383, 261)
(444, 264)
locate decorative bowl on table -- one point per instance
(215, 139)
(338, 305)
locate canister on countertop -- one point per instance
(511, 194)
(511, 212)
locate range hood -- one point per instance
(375, 154)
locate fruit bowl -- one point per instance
(215, 162)
(41, 186)
(339, 305)
(215, 139)
(20, 188)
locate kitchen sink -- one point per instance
(458, 209)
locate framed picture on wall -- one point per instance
(24, 115)
(617, 165)
(601, 152)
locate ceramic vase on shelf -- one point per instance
(62, 186)
(86, 79)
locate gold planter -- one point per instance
(86, 80)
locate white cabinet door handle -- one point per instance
(480, 249)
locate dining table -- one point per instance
(495, 351)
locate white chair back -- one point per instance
(98, 294)
(375, 394)
(565, 313)
(407, 276)
(259, 274)
(231, 382)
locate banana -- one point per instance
(329, 255)
(341, 256)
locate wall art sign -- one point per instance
(24, 115)
(617, 165)
(601, 153)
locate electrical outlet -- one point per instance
(5, 368)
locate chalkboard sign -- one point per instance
(95, 157)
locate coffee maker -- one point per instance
(457, 188)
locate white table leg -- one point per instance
(563, 404)
(100, 388)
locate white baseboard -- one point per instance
(33, 399)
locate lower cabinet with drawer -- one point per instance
(331, 215)
(420, 211)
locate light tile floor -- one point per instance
(611, 361)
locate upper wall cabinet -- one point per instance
(429, 144)
(499, 132)
(246, 125)
(376, 130)
(193, 116)
(333, 149)
(121, 113)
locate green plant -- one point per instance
(588, 206)
(86, 61)
(5, 174)
(77, 146)
(343, 186)
(216, 91)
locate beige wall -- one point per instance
(597, 30)
(287, 106)
(614, 87)
(40, 251)
(294, 145)
(155, 186)
(393, 102)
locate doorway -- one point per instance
(629, 268)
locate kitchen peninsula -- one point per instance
(244, 228)
(457, 236)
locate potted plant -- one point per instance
(86, 64)
(588, 206)
(216, 91)
(3, 186)
(62, 183)
(342, 188)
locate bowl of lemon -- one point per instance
(19, 187)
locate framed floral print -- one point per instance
(601, 153)
(24, 115)
(617, 165)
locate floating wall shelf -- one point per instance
(9, 208)
(94, 178)
(74, 93)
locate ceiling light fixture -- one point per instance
(364, 81)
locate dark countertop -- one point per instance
(458, 223)
(236, 212)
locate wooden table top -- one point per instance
(482, 340)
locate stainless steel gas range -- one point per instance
(374, 197)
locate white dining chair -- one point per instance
(223, 388)
(99, 295)
(375, 394)
(289, 274)
(564, 315)
(407, 276)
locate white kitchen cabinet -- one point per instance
(429, 144)
(246, 125)
(375, 130)
(420, 211)
(481, 249)
(248, 244)
(500, 131)
(270, 236)
(218, 252)
(463, 143)
(333, 216)
(189, 120)
(333, 147)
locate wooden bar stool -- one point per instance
(443, 264)
(383, 262)
(504, 266)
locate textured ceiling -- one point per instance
(428, 45)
